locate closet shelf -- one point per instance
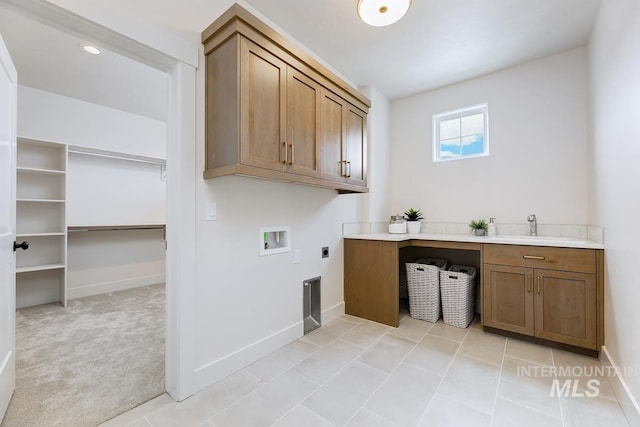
(41, 171)
(115, 155)
(41, 193)
(23, 235)
(41, 200)
(39, 268)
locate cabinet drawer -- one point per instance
(550, 258)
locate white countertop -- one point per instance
(505, 240)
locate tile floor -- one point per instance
(352, 372)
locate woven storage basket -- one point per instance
(423, 283)
(458, 287)
(440, 263)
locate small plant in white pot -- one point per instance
(479, 227)
(413, 220)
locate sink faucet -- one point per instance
(533, 225)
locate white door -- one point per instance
(8, 88)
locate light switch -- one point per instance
(211, 211)
(296, 256)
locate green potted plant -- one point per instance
(479, 227)
(413, 220)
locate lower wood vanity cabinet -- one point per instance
(373, 271)
(371, 278)
(547, 292)
(553, 294)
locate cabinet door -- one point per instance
(303, 116)
(371, 277)
(508, 298)
(332, 134)
(565, 307)
(356, 146)
(263, 100)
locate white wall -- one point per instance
(101, 262)
(615, 179)
(109, 191)
(247, 305)
(538, 114)
(375, 205)
(49, 116)
(109, 261)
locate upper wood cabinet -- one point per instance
(262, 122)
(278, 121)
(344, 133)
(302, 142)
(267, 114)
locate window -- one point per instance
(461, 134)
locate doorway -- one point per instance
(173, 380)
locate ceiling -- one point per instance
(437, 43)
(51, 60)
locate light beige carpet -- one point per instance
(84, 364)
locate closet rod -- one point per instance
(114, 156)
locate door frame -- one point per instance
(166, 52)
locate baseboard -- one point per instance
(627, 401)
(332, 313)
(120, 285)
(219, 369)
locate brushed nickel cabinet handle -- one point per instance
(528, 283)
(349, 173)
(533, 257)
(284, 149)
(538, 280)
(292, 153)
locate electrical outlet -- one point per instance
(296, 256)
(325, 252)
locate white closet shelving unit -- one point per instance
(41, 220)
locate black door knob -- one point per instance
(24, 246)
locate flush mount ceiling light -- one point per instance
(91, 49)
(379, 13)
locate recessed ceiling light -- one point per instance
(91, 49)
(379, 13)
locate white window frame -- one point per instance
(459, 114)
